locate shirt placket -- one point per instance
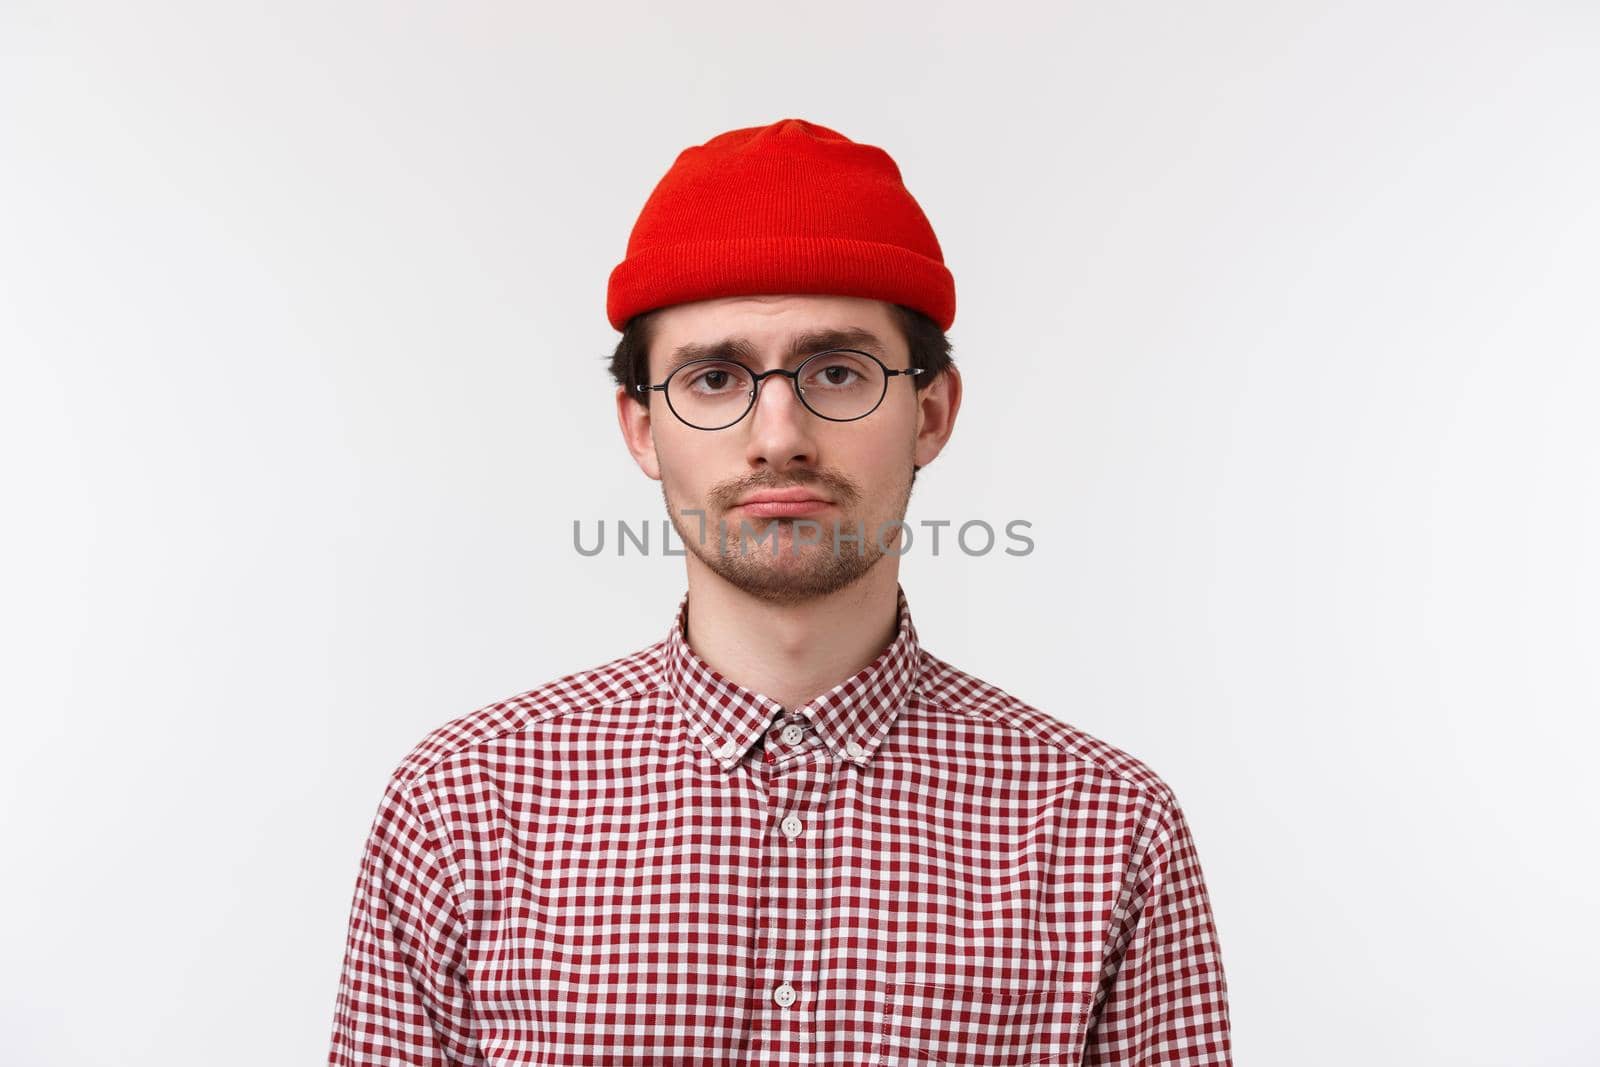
(796, 767)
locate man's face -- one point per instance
(859, 471)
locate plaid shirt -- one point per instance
(645, 862)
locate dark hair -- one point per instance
(927, 344)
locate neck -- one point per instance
(792, 653)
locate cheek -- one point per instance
(688, 467)
(880, 471)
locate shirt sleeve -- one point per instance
(403, 994)
(1163, 998)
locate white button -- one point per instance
(728, 749)
(784, 995)
(854, 751)
(792, 826)
(793, 734)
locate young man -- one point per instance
(785, 833)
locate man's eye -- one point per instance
(717, 379)
(713, 379)
(839, 373)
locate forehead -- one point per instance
(775, 329)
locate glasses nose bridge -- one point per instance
(758, 379)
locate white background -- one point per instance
(1278, 322)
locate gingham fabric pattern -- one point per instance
(646, 863)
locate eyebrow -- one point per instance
(802, 344)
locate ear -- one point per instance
(936, 414)
(634, 420)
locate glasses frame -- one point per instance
(757, 378)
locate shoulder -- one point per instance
(614, 682)
(951, 690)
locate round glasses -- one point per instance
(840, 385)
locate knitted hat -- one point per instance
(788, 208)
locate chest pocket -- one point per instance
(977, 1027)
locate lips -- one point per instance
(782, 503)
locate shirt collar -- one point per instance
(851, 718)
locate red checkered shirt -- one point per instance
(647, 863)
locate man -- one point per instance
(785, 833)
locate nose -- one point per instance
(782, 430)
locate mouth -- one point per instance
(783, 504)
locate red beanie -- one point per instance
(788, 208)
